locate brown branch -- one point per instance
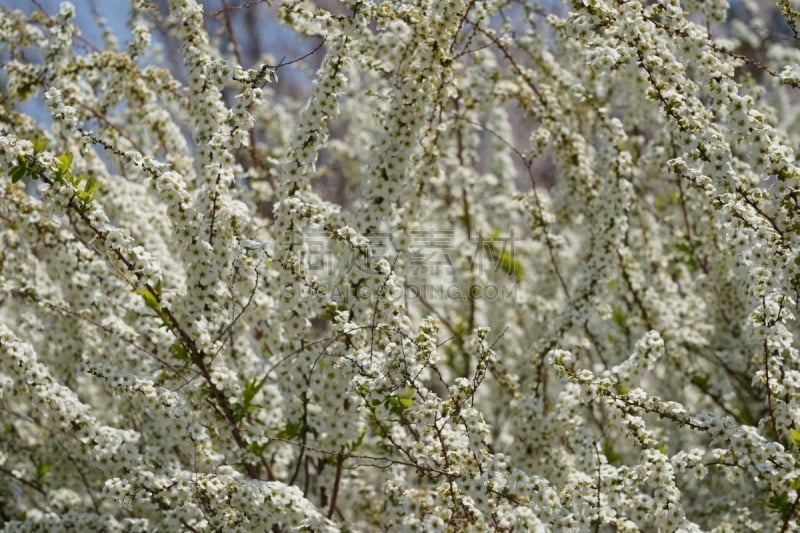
(337, 481)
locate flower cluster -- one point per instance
(465, 266)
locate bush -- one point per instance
(485, 265)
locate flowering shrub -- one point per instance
(560, 293)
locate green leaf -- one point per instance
(400, 403)
(510, 266)
(794, 434)
(251, 388)
(39, 146)
(91, 184)
(180, 352)
(150, 299)
(257, 449)
(356, 444)
(611, 455)
(686, 256)
(84, 198)
(745, 416)
(331, 310)
(61, 170)
(618, 316)
(63, 162)
(291, 430)
(17, 173)
(85, 186)
(780, 504)
(702, 381)
(42, 469)
(502, 258)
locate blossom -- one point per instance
(476, 265)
